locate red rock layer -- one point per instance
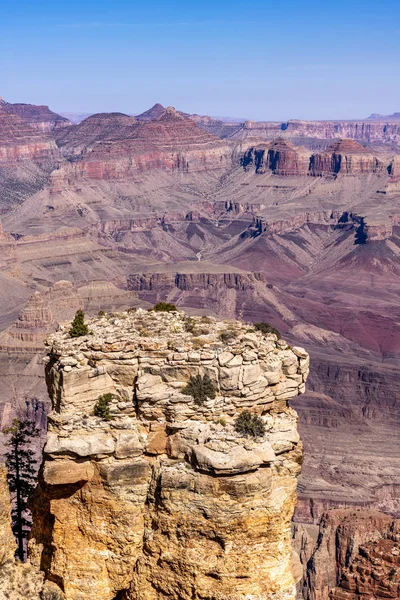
(39, 117)
(346, 157)
(280, 157)
(19, 141)
(116, 146)
(375, 572)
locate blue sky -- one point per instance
(261, 60)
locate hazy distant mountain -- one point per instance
(75, 117)
(394, 117)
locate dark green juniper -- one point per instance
(78, 326)
(267, 328)
(200, 388)
(249, 424)
(102, 407)
(164, 307)
(22, 470)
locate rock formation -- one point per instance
(280, 157)
(353, 554)
(162, 497)
(309, 133)
(346, 157)
(374, 573)
(39, 117)
(114, 146)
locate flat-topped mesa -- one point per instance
(162, 497)
(38, 117)
(279, 156)
(284, 159)
(346, 157)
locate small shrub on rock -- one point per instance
(164, 307)
(207, 320)
(249, 424)
(190, 325)
(102, 407)
(200, 388)
(78, 327)
(101, 313)
(227, 336)
(198, 343)
(267, 328)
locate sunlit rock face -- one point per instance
(166, 499)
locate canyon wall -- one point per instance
(352, 554)
(163, 498)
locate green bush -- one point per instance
(101, 313)
(227, 336)
(200, 388)
(164, 307)
(78, 327)
(249, 425)
(267, 328)
(102, 407)
(190, 325)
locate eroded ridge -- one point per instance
(166, 499)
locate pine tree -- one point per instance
(78, 326)
(22, 470)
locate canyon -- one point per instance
(295, 223)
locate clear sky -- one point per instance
(275, 60)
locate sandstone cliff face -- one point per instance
(346, 157)
(166, 499)
(352, 555)
(280, 157)
(375, 572)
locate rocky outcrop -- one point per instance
(354, 556)
(38, 117)
(280, 157)
(166, 499)
(20, 141)
(346, 157)
(374, 573)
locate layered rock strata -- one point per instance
(352, 555)
(113, 146)
(39, 117)
(346, 157)
(166, 499)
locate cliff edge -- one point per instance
(161, 497)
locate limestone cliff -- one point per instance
(166, 499)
